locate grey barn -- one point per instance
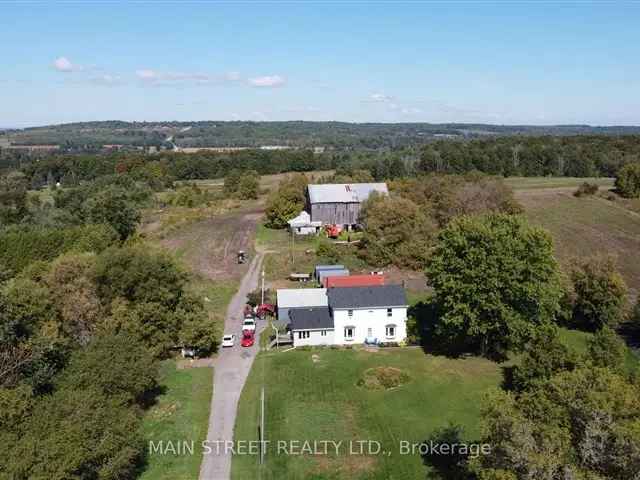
(339, 203)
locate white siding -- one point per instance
(315, 338)
(304, 230)
(375, 319)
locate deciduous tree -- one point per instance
(496, 281)
(599, 293)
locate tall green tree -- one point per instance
(13, 198)
(249, 185)
(606, 349)
(287, 201)
(396, 231)
(496, 282)
(543, 357)
(628, 180)
(580, 424)
(599, 293)
(113, 207)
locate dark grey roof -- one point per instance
(365, 297)
(310, 318)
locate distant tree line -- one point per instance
(299, 134)
(161, 170)
(577, 156)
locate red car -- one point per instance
(248, 338)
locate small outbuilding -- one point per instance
(324, 274)
(302, 225)
(322, 268)
(353, 281)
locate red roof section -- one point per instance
(354, 281)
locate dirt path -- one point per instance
(210, 247)
(231, 369)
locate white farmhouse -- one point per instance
(371, 314)
(311, 326)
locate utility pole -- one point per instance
(262, 449)
(293, 245)
(262, 303)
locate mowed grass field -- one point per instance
(587, 226)
(313, 395)
(529, 183)
(181, 414)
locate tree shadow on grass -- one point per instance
(150, 397)
(446, 454)
(507, 378)
(425, 332)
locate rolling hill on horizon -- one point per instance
(338, 135)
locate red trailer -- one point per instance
(354, 281)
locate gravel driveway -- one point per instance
(231, 369)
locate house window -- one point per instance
(323, 333)
(302, 335)
(349, 333)
(350, 313)
(369, 332)
(390, 331)
(389, 312)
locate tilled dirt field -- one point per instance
(209, 247)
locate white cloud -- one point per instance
(154, 77)
(380, 97)
(232, 76)
(267, 81)
(63, 64)
(146, 74)
(410, 110)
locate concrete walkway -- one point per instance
(231, 369)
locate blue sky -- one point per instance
(505, 63)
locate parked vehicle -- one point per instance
(248, 311)
(188, 352)
(242, 256)
(265, 309)
(248, 338)
(249, 324)
(333, 231)
(228, 340)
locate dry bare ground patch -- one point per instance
(210, 246)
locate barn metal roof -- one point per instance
(343, 272)
(302, 297)
(344, 192)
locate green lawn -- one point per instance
(297, 255)
(180, 414)
(576, 340)
(319, 400)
